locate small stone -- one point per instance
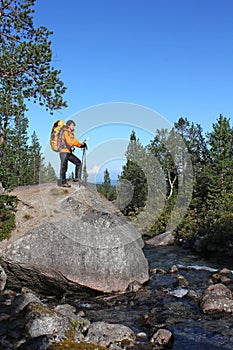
(180, 281)
(193, 295)
(134, 286)
(161, 337)
(81, 313)
(225, 271)
(179, 292)
(225, 279)
(142, 335)
(174, 269)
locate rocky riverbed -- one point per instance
(186, 304)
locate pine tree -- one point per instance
(34, 159)
(25, 64)
(133, 173)
(107, 181)
(221, 162)
(106, 188)
(15, 155)
(218, 221)
(47, 172)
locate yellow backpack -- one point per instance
(56, 135)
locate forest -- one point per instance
(208, 221)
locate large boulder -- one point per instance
(217, 298)
(72, 237)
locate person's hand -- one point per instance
(84, 145)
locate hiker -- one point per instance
(68, 142)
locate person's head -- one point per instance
(70, 124)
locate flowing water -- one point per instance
(161, 303)
(155, 307)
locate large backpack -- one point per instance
(56, 135)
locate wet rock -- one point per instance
(162, 337)
(174, 269)
(106, 334)
(148, 320)
(179, 292)
(192, 294)
(225, 271)
(164, 239)
(142, 335)
(158, 270)
(217, 298)
(134, 286)
(180, 281)
(3, 278)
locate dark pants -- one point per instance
(65, 158)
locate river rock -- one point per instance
(105, 334)
(40, 320)
(72, 237)
(164, 239)
(162, 337)
(179, 292)
(3, 278)
(217, 298)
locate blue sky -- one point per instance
(172, 56)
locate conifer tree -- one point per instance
(220, 167)
(25, 64)
(15, 154)
(34, 159)
(47, 172)
(218, 220)
(106, 188)
(107, 181)
(133, 173)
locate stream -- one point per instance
(154, 307)
(161, 303)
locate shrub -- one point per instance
(8, 206)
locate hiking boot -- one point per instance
(76, 179)
(66, 185)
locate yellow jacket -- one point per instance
(68, 141)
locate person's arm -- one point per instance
(77, 143)
(71, 140)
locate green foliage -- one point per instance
(25, 61)
(46, 173)
(133, 174)
(70, 344)
(8, 206)
(20, 162)
(106, 188)
(220, 231)
(210, 211)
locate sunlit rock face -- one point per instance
(74, 237)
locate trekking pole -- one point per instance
(83, 163)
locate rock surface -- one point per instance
(217, 298)
(166, 238)
(72, 237)
(3, 278)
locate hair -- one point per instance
(69, 122)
